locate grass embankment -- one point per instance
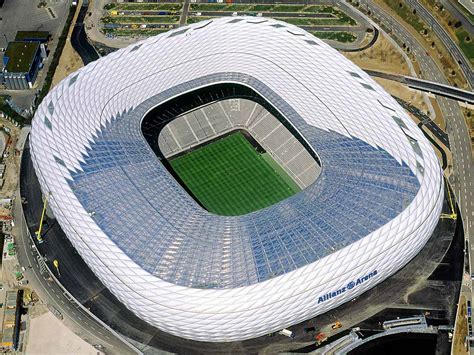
(141, 19)
(342, 36)
(407, 14)
(466, 43)
(143, 6)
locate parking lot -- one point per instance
(25, 15)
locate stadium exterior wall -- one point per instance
(228, 314)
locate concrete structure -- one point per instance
(3, 142)
(32, 36)
(11, 321)
(200, 276)
(21, 62)
(468, 5)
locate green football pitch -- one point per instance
(229, 177)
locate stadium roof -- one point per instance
(375, 201)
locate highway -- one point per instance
(462, 177)
(458, 14)
(444, 36)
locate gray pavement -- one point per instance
(24, 15)
(184, 14)
(453, 7)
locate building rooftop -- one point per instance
(31, 35)
(20, 56)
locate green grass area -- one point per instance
(308, 21)
(229, 177)
(265, 8)
(194, 19)
(212, 7)
(466, 43)
(144, 6)
(140, 19)
(140, 32)
(339, 36)
(406, 13)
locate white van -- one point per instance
(286, 332)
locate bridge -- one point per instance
(432, 87)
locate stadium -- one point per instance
(234, 177)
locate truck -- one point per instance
(286, 332)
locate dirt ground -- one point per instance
(461, 329)
(11, 161)
(411, 96)
(69, 62)
(382, 56)
(48, 335)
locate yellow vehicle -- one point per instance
(336, 325)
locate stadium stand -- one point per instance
(218, 118)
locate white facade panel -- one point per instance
(321, 86)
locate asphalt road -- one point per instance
(442, 34)
(184, 15)
(463, 175)
(457, 129)
(73, 315)
(266, 14)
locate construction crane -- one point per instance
(38, 232)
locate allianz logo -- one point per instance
(348, 287)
